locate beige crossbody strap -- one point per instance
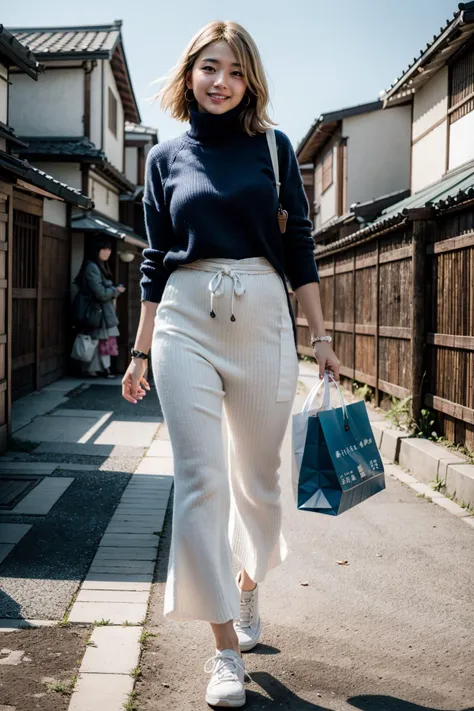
(272, 146)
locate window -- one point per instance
(327, 177)
(461, 99)
(112, 112)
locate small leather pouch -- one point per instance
(282, 215)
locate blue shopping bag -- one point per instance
(336, 462)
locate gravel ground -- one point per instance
(42, 573)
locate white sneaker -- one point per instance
(249, 625)
(226, 685)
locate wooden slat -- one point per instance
(394, 332)
(3, 217)
(24, 293)
(28, 204)
(366, 262)
(450, 341)
(325, 273)
(395, 255)
(394, 390)
(56, 231)
(466, 414)
(22, 361)
(364, 378)
(344, 268)
(452, 244)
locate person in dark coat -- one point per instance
(95, 284)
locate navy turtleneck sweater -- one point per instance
(211, 193)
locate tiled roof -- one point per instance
(139, 128)
(454, 189)
(92, 221)
(454, 34)
(29, 174)
(85, 40)
(75, 146)
(15, 53)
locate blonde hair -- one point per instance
(254, 117)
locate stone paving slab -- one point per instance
(42, 498)
(137, 529)
(134, 596)
(93, 414)
(151, 518)
(56, 429)
(132, 584)
(93, 450)
(156, 465)
(116, 612)
(129, 540)
(129, 433)
(124, 554)
(160, 448)
(101, 692)
(65, 385)
(10, 625)
(13, 532)
(116, 651)
(130, 567)
(5, 549)
(36, 468)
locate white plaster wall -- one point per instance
(461, 141)
(52, 106)
(96, 103)
(55, 211)
(131, 163)
(429, 159)
(106, 199)
(3, 93)
(113, 146)
(378, 153)
(68, 173)
(430, 103)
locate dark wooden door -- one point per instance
(27, 230)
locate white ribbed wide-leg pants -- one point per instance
(248, 366)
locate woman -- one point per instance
(223, 335)
(96, 299)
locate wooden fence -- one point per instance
(400, 307)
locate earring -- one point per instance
(186, 96)
(248, 100)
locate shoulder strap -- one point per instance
(272, 146)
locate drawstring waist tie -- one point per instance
(232, 268)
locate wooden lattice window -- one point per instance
(112, 112)
(462, 86)
(25, 238)
(327, 174)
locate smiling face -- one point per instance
(216, 79)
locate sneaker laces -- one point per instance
(246, 610)
(225, 667)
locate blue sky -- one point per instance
(318, 56)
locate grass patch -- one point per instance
(101, 623)
(146, 635)
(135, 673)
(65, 688)
(131, 703)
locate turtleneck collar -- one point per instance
(212, 128)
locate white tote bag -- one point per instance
(84, 348)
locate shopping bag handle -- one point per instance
(327, 380)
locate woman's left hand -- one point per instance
(326, 359)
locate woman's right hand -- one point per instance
(134, 384)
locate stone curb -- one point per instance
(120, 593)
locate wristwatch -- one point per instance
(138, 354)
(320, 339)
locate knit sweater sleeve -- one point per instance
(298, 244)
(158, 228)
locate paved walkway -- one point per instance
(391, 629)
